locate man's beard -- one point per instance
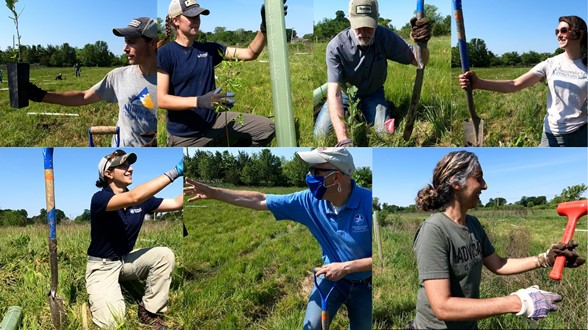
(364, 42)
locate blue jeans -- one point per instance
(356, 296)
(374, 108)
(578, 138)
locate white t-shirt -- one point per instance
(137, 102)
(568, 88)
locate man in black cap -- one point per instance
(133, 87)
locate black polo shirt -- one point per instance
(114, 233)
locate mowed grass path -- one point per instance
(242, 269)
(22, 130)
(512, 234)
(25, 274)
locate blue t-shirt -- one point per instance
(191, 73)
(344, 236)
(365, 67)
(114, 233)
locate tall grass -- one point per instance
(513, 235)
(242, 269)
(22, 130)
(25, 273)
(511, 120)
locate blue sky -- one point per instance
(75, 171)
(245, 14)
(400, 12)
(75, 22)
(519, 25)
(362, 157)
(509, 172)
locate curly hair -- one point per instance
(453, 168)
(577, 31)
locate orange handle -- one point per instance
(325, 320)
(574, 211)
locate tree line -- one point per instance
(262, 169)
(571, 193)
(91, 55)
(481, 57)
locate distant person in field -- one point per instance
(338, 213)
(358, 56)
(133, 87)
(78, 69)
(567, 79)
(117, 215)
(451, 247)
(59, 76)
(1, 73)
(187, 88)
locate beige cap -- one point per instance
(114, 159)
(363, 13)
(338, 157)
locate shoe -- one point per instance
(153, 320)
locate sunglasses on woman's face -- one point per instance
(563, 30)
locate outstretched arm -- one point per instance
(504, 86)
(336, 111)
(337, 270)
(251, 52)
(250, 199)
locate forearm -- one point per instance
(358, 265)
(177, 103)
(250, 199)
(74, 98)
(502, 86)
(464, 309)
(336, 113)
(510, 266)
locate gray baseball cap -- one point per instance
(114, 159)
(141, 26)
(188, 8)
(363, 13)
(338, 157)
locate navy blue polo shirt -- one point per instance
(365, 67)
(114, 233)
(191, 73)
(344, 236)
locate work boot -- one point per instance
(153, 320)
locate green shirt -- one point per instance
(445, 249)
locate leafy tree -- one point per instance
(84, 217)
(326, 29)
(478, 53)
(363, 177)
(530, 58)
(571, 193)
(294, 172)
(511, 59)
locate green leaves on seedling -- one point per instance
(357, 127)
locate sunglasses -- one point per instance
(313, 170)
(563, 30)
(111, 157)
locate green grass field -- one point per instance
(513, 234)
(25, 273)
(511, 120)
(242, 269)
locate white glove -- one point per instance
(535, 303)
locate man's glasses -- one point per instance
(563, 30)
(313, 170)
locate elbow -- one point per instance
(441, 313)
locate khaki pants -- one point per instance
(107, 305)
(244, 129)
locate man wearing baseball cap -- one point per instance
(187, 88)
(357, 56)
(338, 213)
(133, 87)
(116, 217)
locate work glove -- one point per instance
(176, 172)
(213, 98)
(420, 30)
(573, 259)
(262, 26)
(535, 303)
(345, 143)
(35, 93)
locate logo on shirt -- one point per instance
(144, 99)
(202, 55)
(359, 224)
(135, 211)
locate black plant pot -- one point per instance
(18, 77)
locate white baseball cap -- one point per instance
(338, 157)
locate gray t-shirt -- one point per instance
(137, 103)
(365, 67)
(445, 249)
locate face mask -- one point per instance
(316, 184)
